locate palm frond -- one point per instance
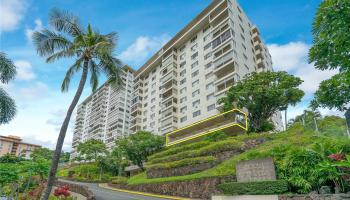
(94, 70)
(65, 22)
(73, 69)
(70, 52)
(47, 42)
(7, 107)
(7, 69)
(111, 66)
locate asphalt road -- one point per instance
(106, 194)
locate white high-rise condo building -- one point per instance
(182, 82)
(105, 115)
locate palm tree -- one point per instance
(93, 54)
(7, 105)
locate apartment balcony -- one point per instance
(138, 84)
(258, 54)
(224, 85)
(170, 84)
(169, 94)
(136, 109)
(223, 63)
(171, 73)
(221, 40)
(135, 100)
(169, 104)
(260, 63)
(136, 120)
(256, 37)
(169, 58)
(135, 127)
(219, 14)
(229, 71)
(169, 111)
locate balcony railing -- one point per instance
(226, 58)
(168, 76)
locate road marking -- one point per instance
(103, 185)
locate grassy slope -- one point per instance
(281, 143)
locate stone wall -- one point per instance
(197, 188)
(80, 189)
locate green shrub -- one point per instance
(119, 180)
(176, 149)
(254, 188)
(183, 162)
(217, 136)
(211, 149)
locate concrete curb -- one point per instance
(104, 185)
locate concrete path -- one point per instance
(107, 194)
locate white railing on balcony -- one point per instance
(223, 60)
(167, 77)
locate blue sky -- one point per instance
(143, 26)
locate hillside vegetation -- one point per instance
(302, 142)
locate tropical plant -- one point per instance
(137, 147)
(92, 149)
(330, 50)
(263, 94)
(7, 104)
(41, 153)
(93, 53)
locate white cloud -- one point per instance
(142, 49)
(11, 13)
(24, 70)
(293, 58)
(38, 26)
(34, 91)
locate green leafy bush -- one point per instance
(183, 162)
(176, 149)
(211, 149)
(217, 136)
(256, 188)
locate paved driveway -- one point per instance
(106, 194)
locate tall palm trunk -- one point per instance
(62, 135)
(285, 118)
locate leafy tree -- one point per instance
(330, 50)
(263, 94)
(137, 147)
(65, 156)
(92, 52)
(9, 158)
(308, 119)
(41, 153)
(7, 104)
(92, 149)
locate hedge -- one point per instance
(254, 188)
(182, 163)
(212, 149)
(176, 149)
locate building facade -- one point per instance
(15, 146)
(182, 82)
(105, 115)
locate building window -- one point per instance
(195, 104)
(182, 48)
(207, 76)
(183, 81)
(182, 64)
(195, 93)
(194, 39)
(183, 119)
(153, 100)
(210, 96)
(195, 83)
(183, 99)
(207, 46)
(206, 29)
(194, 56)
(194, 74)
(182, 56)
(208, 55)
(209, 86)
(194, 47)
(183, 72)
(195, 64)
(197, 113)
(183, 90)
(183, 109)
(208, 65)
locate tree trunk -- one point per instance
(347, 118)
(285, 118)
(62, 134)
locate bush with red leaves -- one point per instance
(62, 192)
(337, 156)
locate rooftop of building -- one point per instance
(17, 139)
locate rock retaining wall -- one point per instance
(316, 197)
(80, 189)
(197, 188)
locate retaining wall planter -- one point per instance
(80, 189)
(198, 188)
